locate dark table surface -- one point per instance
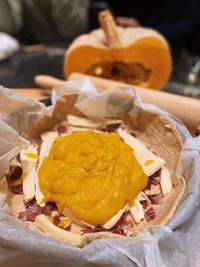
(19, 70)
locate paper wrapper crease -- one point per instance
(176, 244)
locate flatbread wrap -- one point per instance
(83, 179)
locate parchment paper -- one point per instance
(176, 244)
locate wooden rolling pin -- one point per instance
(185, 108)
(35, 93)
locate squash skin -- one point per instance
(138, 45)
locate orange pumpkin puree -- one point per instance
(92, 174)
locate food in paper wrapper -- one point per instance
(83, 179)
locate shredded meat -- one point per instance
(153, 179)
(133, 134)
(48, 208)
(16, 189)
(122, 225)
(30, 213)
(30, 203)
(110, 128)
(155, 198)
(18, 157)
(68, 228)
(56, 220)
(150, 214)
(39, 143)
(90, 229)
(61, 129)
(15, 171)
(156, 174)
(33, 210)
(144, 204)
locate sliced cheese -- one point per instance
(89, 123)
(52, 230)
(137, 211)
(165, 181)
(29, 158)
(141, 196)
(149, 161)
(77, 129)
(48, 139)
(75, 220)
(109, 224)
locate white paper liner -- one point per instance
(176, 244)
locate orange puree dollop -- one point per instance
(92, 174)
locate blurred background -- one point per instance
(35, 34)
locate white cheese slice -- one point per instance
(48, 139)
(69, 214)
(109, 224)
(143, 196)
(29, 158)
(165, 181)
(140, 196)
(89, 123)
(137, 211)
(52, 230)
(77, 129)
(149, 161)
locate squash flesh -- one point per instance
(149, 51)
